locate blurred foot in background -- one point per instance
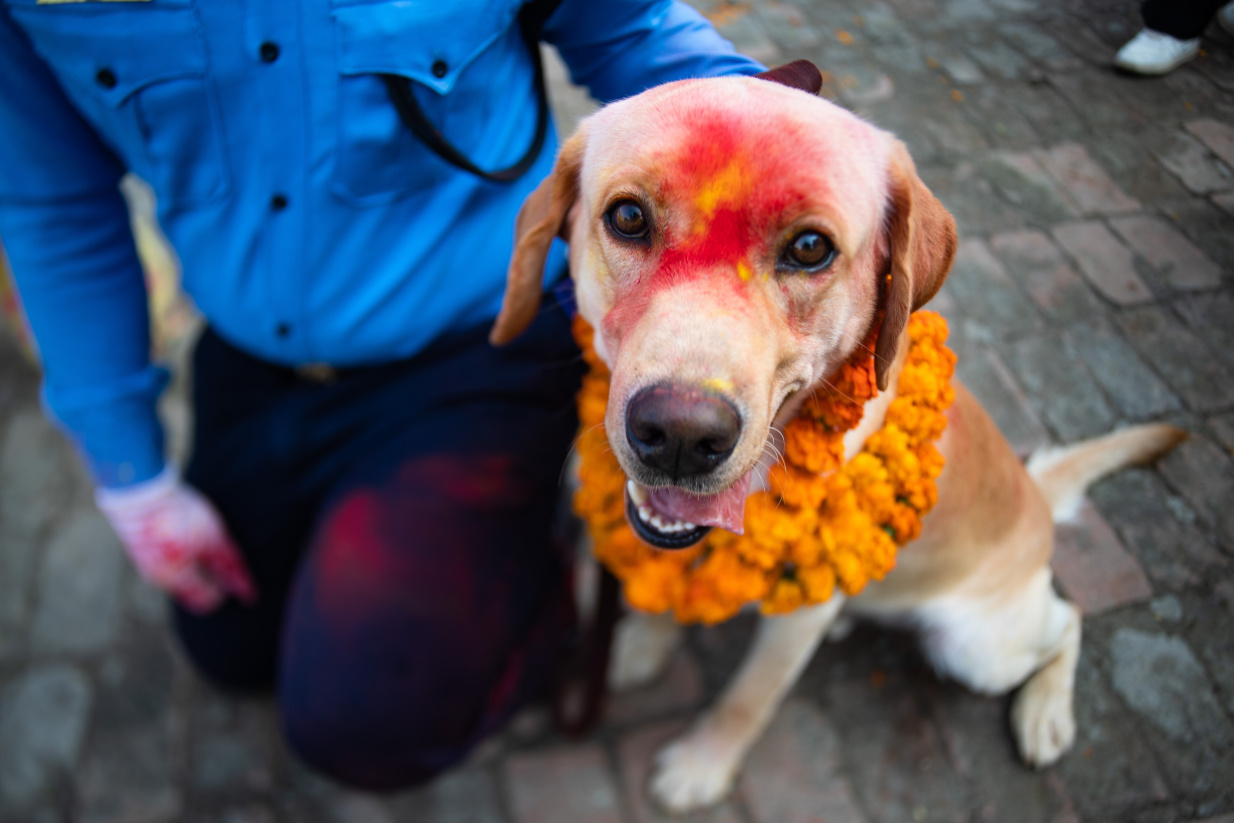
(1171, 34)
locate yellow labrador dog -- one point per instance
(732, 242)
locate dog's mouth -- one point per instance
(671, 518)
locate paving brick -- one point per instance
(43, 715)
(1206, 619)
(1087, 183)
(461, 796)
(1040, 46)
(1182, 360)
(1050, 112)
(746, 32)
(636, 751)
(1194, 165)
(1203, 473)
(1127, 156)
(678, 689)
(79, 601)
(1105, 262)
(1211, 317)
(1038, 266)
(998, 119)
(788, 26)
(986, 294)
(1095, 96)
(1175, 257)
(972, 200)
(1128, 382)
(997, 58)
(961, 70)
(991, 382)
(1172, 551)
(1060, 388)
(793, 773)
(1225, 201)
(34, 489)
(233, 744)
(1111, 770)
(1207, 226)
(1022, 181)
(1164, 684)
(1222, 426)
(974, 732)
(568, 784)
(1217, 136)
(1092, 568)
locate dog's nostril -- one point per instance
(682, 430)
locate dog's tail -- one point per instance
(1063, 473)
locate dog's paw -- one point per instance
(1042, 721)
(642, 647)
(692, 773)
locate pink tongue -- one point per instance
(726, 509)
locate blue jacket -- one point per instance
(310, 224)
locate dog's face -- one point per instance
(732, 241)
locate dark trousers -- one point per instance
(398, 524)
(1181, 19)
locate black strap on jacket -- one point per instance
(531, 19)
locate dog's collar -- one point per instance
(822, 523)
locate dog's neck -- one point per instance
(875, 411)
(872, 419)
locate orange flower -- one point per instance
(822, 524)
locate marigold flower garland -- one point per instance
(823, 523)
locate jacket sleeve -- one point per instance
(65, 228)
(619, 48)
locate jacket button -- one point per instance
(106, 78)
(269, 52)
(440, 68)
(278, 202)
(282, 329)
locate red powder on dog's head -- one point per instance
(733, 183)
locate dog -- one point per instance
(732, 242)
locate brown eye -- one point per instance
(627, 220)
(810, 250)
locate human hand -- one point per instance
(178, 541)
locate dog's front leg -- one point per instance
(697, 769)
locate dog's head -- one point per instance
(733, 241)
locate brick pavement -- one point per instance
(1094, 288)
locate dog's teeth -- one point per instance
(637, 493)
(645, 514)
(689, 526)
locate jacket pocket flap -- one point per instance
(430, 42)
(116, 48)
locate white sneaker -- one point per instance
(1225, 18)
(1151, 52)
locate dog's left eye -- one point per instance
(810, 250)
(627, 219)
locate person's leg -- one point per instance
(432, 600)
(1181, 19)
(252, 458)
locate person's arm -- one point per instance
(622, 47)
(65, 227)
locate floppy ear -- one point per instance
(922, 239)
(799, 74)
(541, 218)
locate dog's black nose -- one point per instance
(681, 430)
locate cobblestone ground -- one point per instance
(1094, 287)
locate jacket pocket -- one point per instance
(139, 71)
(377, 158)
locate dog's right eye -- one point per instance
(627, 220)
